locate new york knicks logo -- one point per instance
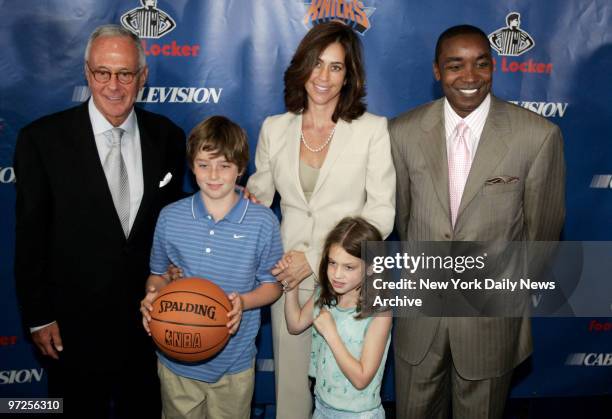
(351, 12)
(511, 40)
(148, 21)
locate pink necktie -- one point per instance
(459, 162)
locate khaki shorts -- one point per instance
(184, 398)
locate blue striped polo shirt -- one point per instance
(236, 253)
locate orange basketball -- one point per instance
(188, 321)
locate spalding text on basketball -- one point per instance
(200, 309)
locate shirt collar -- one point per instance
(235, 215)
(475, 120)
(100, 124)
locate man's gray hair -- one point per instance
(116, 30)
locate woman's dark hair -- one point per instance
(350, 105)
(349, 234)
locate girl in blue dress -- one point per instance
(349, 347)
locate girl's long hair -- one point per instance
(349, 234)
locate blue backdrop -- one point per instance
(228, 57)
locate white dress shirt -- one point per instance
(475, 120)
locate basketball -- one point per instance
(188, 321)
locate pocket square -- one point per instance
(165, 180)
(503, 179)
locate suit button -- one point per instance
(447, 236)
(309, 214)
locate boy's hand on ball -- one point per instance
(146, 306)
(235, 315)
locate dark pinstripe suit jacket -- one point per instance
(514, 142)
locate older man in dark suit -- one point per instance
(470, 167)
(91, 182)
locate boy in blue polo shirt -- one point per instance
(217, 235)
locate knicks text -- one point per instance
(352, 12)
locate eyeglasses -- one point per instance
(104, 76)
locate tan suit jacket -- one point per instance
(357, 178)
(514, 142)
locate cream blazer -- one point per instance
(357, 178)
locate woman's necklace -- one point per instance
(322, 146)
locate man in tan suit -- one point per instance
(470, 167)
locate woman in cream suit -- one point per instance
(328, 159)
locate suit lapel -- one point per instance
(491, 150)
(433, 146)
(342, 137)
(293, 137)
(90, 168)
(150, 164)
